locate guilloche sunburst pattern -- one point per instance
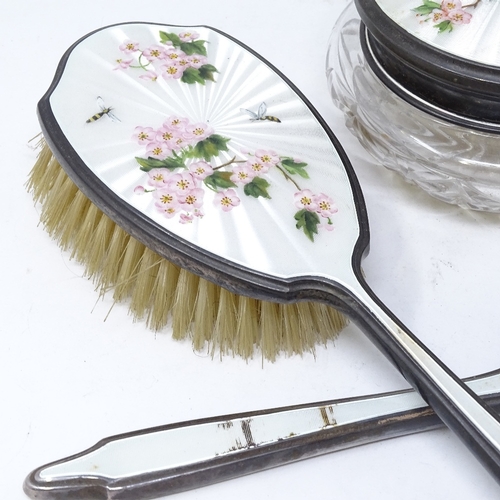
(206, 136)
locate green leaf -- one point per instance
(308, 222)
(210, 67)
(170, 37)
(427, 7)
(209, 147)
(444, 26)
(295, 167)
(207, 72)
(257, 187)
(150, 163)
(195, 47)
(219, 180)
(219, 141)
(192, 75)
(206, 150)
(423, 10)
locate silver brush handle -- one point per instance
(173, 458)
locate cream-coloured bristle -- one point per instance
(186, 291)
(99, 245)
(291, 332)
(160, 293)
(142, 294)
(226, 324)
(247, 329)
(163, 294)
(305, 336)
(43, 175)
(328, 322)
(107, 276)
(129, 270)
(204, 313)
(57, 201)
(85, 232)
(271, 323)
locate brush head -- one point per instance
(206, 155)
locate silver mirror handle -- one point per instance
(178, 457)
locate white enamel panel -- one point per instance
(176, 447)
(246, 233)
(467, 28)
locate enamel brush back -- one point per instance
(205, 153)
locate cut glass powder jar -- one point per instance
(419, 83)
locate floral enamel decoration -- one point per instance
(447, 14)
(181, 56)
(184, 160)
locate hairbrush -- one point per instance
(157, 148)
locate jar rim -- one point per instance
(463, 91)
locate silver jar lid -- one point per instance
(443, 57)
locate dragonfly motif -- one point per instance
(260, 114)
(105, 110)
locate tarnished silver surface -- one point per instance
(188, 448)
(453, 163)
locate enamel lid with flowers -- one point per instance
(464, 28)
(442, 56)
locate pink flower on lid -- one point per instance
(182, 183)
(176, 122)
(267, 158)
(171, 71)
(166, 134)
(166, 202)
(183, 62)
(164, 196)
(158, 177)
(198, 131)
(449, 5)
(149, 75)
(192, 200)
(459, 16)
(201, 169)
(227, 199)
(177, 143)
(306, 200)
(256, 166)
(451, 12)
(143, 135)
(129, 46)
(242, 174)
(325, 205)
(168, 211)
(186, 218)
(158, 150)
(123, 63)
(188, 36)
(174, 55)
(154, 53)
(196, 61)
(438, 15)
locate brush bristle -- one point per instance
(160, 293)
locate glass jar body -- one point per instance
(453, 163)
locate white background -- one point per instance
(69, 378)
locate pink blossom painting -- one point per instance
(447, 14)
